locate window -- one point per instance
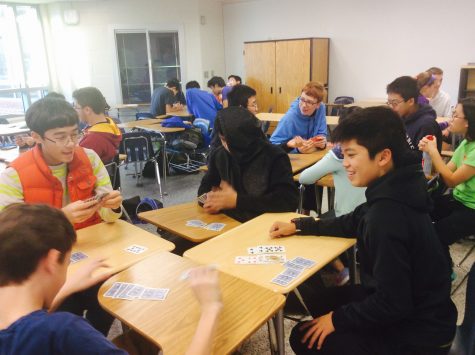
(24, 74)
(136, 51)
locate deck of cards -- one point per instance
(200, 224)
(128, 291)
(293, 269)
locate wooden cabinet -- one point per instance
(278, 70)
(467, 82)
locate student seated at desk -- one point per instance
(101, 133)
(35, 248)
(403, 304)
(216, 84)
(303, 129)
(201, 104)
(454, 213)
(166, 99)
(419, 120)
(233, 80)
(246, 176)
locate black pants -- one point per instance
(86, 301)
(452, 219)
(372, 342)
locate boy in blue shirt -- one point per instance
(35, 248)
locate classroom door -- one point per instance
(259, 60)
(292, 71)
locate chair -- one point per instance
(341, 100)
(143, 116)
(139, 149)
(464, 341)
(188, 144)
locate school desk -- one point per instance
(174, 218)
(108, 240)
(181, 113)
(368, 103)
(132, 124)
(332, 120)
(223, 249)
(128, 107)
(270, 117)
(13, 129)
(171, 323)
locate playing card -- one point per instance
(282, 280)
(291, 265)
(124, 290)
(266, 249)
(195, 223)
(77, 256)
(202, 199)
(135, 291)
(156, 294)
(293, 273)
(307, 263)
(215, 226)
(135, 249)
(273, 258)
(112, 292)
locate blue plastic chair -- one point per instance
(464, 342)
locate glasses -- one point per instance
(63, 141)
(308, 102)
(394, 103)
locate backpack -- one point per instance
(135, 205)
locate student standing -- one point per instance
(439, 100)
(403, 304)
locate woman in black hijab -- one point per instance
(247, 175)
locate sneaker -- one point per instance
(343, 277)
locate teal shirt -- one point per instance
(465, 191)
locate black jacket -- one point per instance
(403, 266)
(422, 123)
(260, 172)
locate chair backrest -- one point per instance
(137, 149)
(203, 125)
(143, 115)
(341, 100)
(112, 169)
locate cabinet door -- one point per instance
(292, 71)
(259, 60)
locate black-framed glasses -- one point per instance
(63, 141)
(394, 103)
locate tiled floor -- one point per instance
(183, 188)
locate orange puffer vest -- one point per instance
(41, 186)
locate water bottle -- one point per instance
(427, 161)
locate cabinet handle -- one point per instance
(280, 90)
(271, 90)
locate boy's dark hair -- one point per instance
(468, 105)
(375, 128)
(235, 77)
(239, 95)
(174, 83)
(193, 85)
(92, 97)
(50, 113)
(56, 95)
(27, 234)
(346, 112)
(216, 80)
(405, 86)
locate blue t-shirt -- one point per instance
(225, 92)
(46, 333)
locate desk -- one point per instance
(271, 117)
(171, 323)
(224, 248)
(133, 124)
(9, 155)
(157, 127)
(368, 103)
(332, 120)
(301, 161)
(13, 129)
(181, 113)
(110, 239)
(128, 106)
(174, 218)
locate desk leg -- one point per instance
(165, 167)
(278, 320)
(352, 266)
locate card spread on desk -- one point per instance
(266, 249)
(195, 223)
(128, 291)
(200, 224)
(215, 226)
(136, 249)
(77, 256)
(282, 280)
(260, 259)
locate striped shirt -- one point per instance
(11, 190)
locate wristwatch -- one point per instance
(298, 224)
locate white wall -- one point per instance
(85, 54)
(371, 41)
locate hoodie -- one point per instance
(202, 104)
(260, 172)
(294, 123)
(104, 138)
(422, 123)
(404, 270)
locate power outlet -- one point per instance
(206, 74)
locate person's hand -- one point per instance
(319, 142)
(83, 278)
(318, 329)
(295, 142)
(282, 229)
(204, 282)
(223, 199)
(112, 200)
(445, 132)
(308, 147)
(23, 141)
(79, 211)
(428, 144)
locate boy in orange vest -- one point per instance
(57, 172)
